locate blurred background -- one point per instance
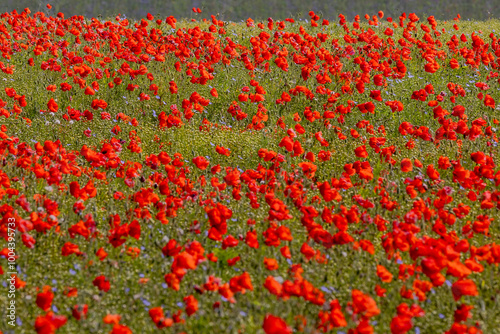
(237, 10)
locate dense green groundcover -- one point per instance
(277, 177)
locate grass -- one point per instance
(347, 266)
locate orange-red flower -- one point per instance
(275, 325)
(464, 287)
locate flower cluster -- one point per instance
(273, 176)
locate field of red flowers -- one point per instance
(259, 177)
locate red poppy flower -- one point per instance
(406, 165)
(222, 150)
(376, 95)
(96, 104)
(49, 323)
(80, 311)
(191, 305)
(361, 151)
(201, 162)
(271, 264)
(44, 299)
(384, 274)
(52, 105)
(101, 283)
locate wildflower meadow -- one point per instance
(275, 176)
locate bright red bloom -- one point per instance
(96, 104)
(44, 299)
(49, 323)
(361, 152)
(101, 283)
(70, 248)
(222, 151)
(271, 264)
(275, 325)
(201, 162)
(464, 287)
(158, 317)
(384, 274)
(80, 311)
(432, 173)
(52, 105)
(191, 305)
(406, 165)
(364, 304)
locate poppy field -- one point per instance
(205, 176)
